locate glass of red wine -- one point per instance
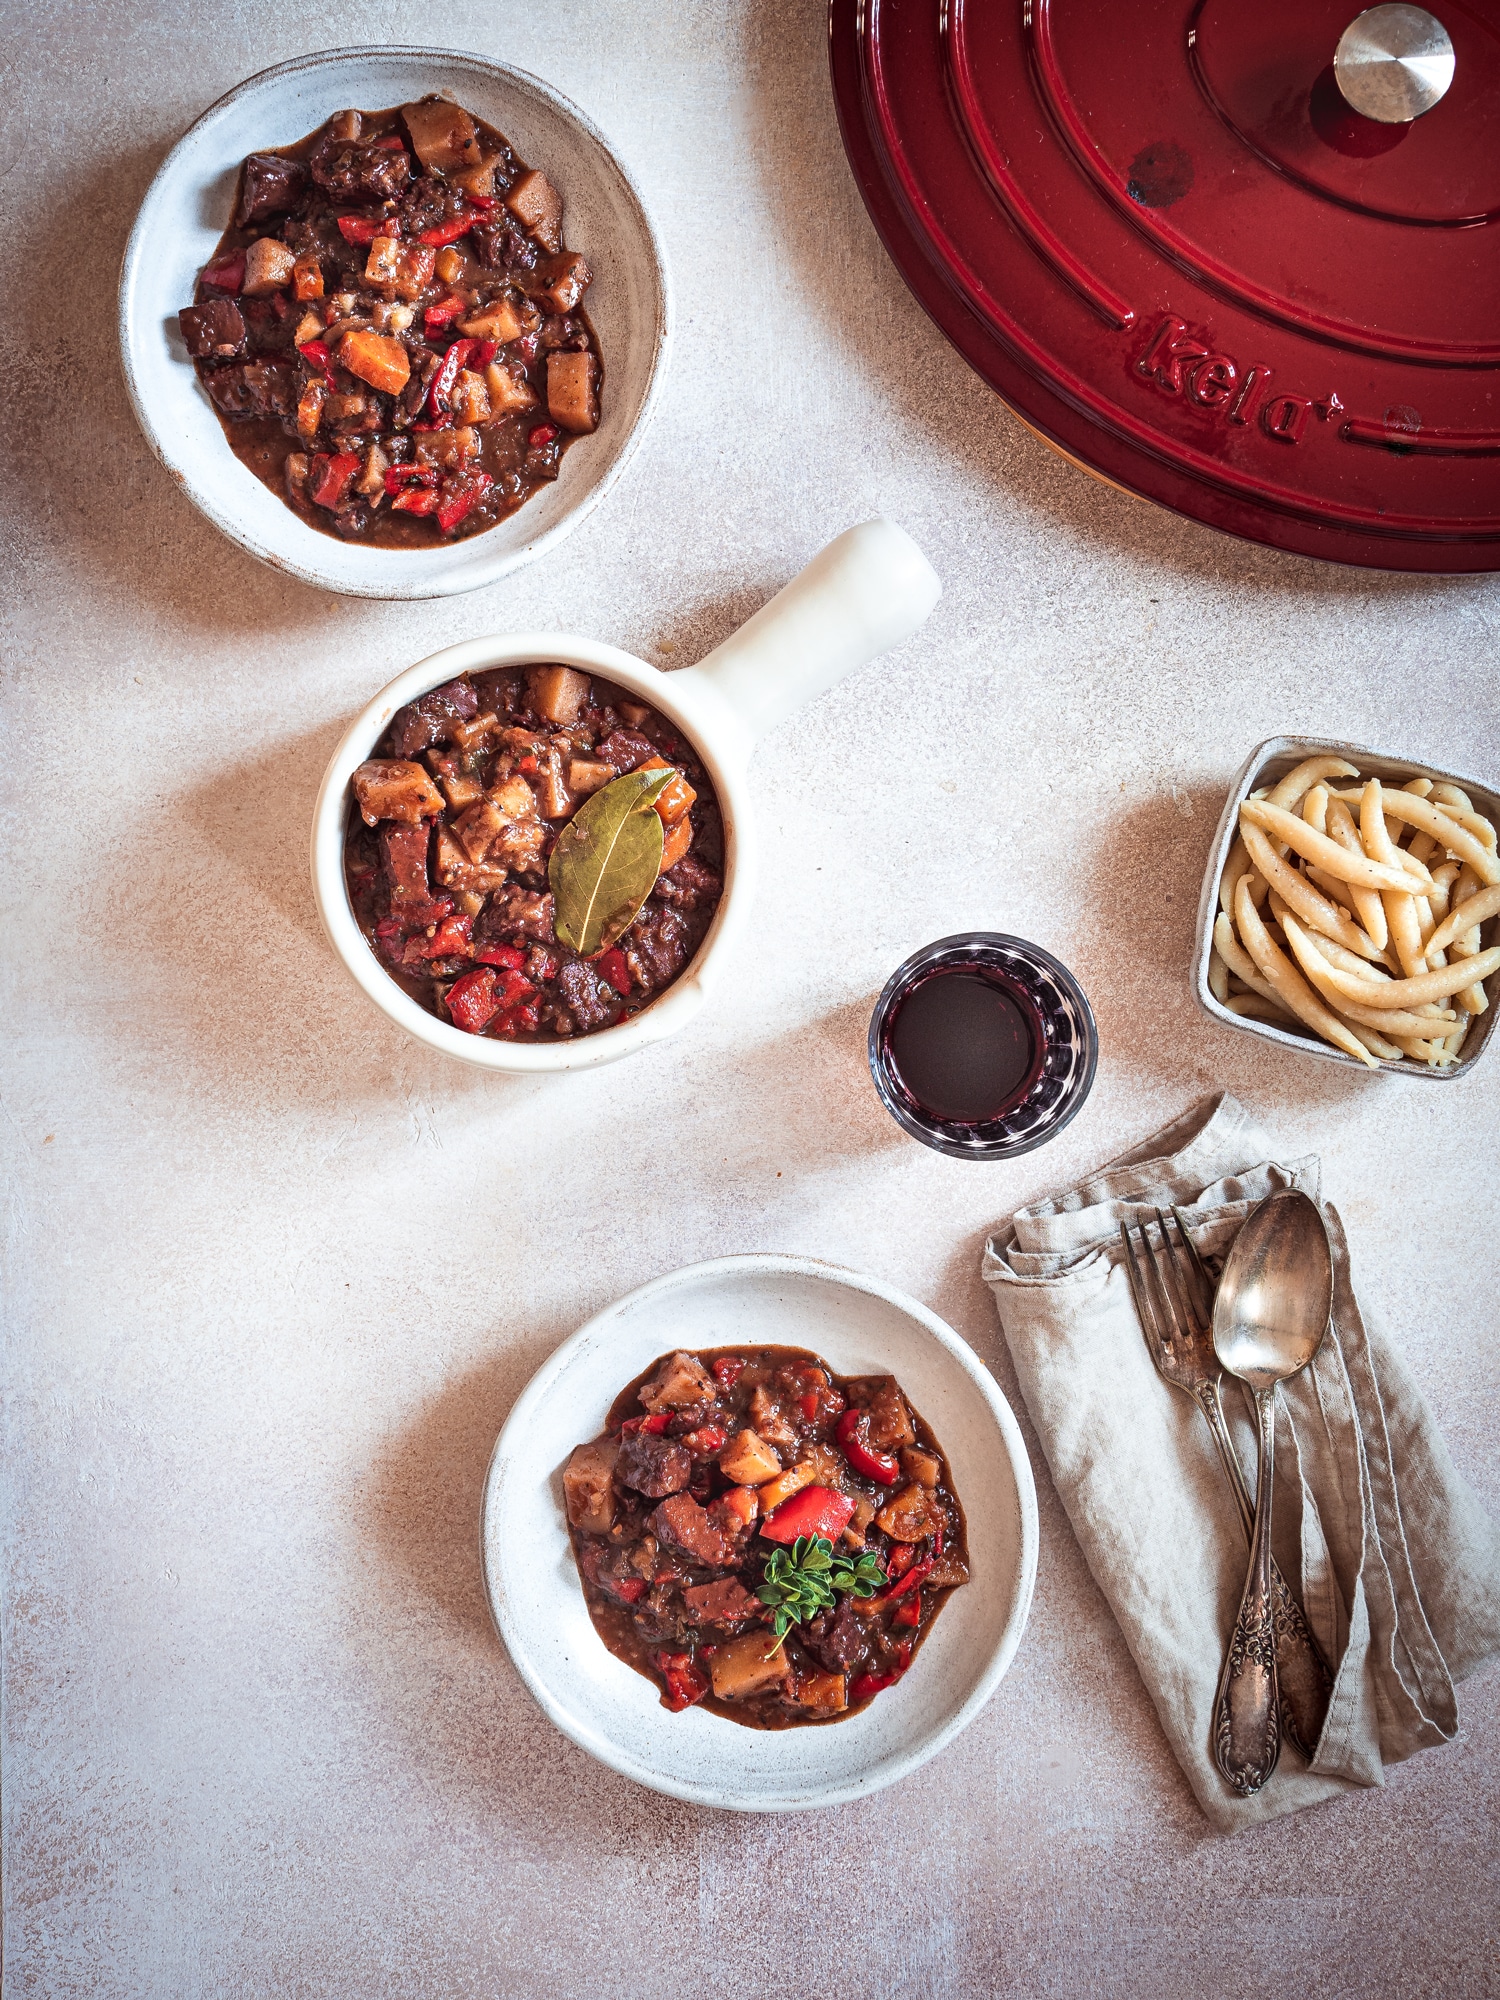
(983, 1046)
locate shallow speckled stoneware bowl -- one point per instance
(187, 208)
(862, 1326)
(1266, 763)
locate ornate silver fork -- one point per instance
(1175, 1313)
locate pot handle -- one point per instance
(864, 593)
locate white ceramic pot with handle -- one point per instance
(866, 592)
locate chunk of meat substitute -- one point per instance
(683, 1523)
(431, 719)
(724, 1603)
(214, 331)
(403, 854)
(655, 1466)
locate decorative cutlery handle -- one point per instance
(1303, 1678)
(1247, 1709)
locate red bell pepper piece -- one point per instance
(727, 1370)
(398, 476)
(908, 1582)
(456, 357)
(228, 274)
(471, 1001)
(653, 1425)
(899, 1560)
(315, 353)
(435, 318)
(484, 353)
(543, 434)
(449, 231)
(364, 228)
(484, 202)
(909, 1612)
(459, 495)
(937, 1541)
(452, 938)
(706, 1440)
(528, 765)
(808, 1405)
(816, 1510)
(332, 477)
(686, 1683)
(612, 964)
(864, 1685)
(526, 1017)
(854, 1441)
(391, 143)
(415, 500)
(903, 1655)
(501, 954)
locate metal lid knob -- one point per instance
(1393, 63)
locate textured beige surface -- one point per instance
(275, 1276)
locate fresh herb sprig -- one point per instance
(800, 1582)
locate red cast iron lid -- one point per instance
(1160, 230)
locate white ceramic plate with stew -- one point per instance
(860, 1326)
(187, 209)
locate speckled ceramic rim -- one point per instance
(217, 488)
(988, 1673)
(1271, 760)
(1017, 947)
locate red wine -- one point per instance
(966, 1044)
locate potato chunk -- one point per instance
(477, 828)
(509, 392)
(924, 1467)
(588, 1483)
(456, 871)
(403, 268)
(585, 776)
(376, 358)
(828, 1693)
(681, 1381)
(444, 135)
(390, 788)
(912, 1516)
(470, 398)
(567, 277)
(499, 322)
(537, 206)
(572, 397)
(558, 693)
(740, 1667)
(448, 450)
(268, 268)
(890, 1420)
(515, 798)
(747, 1461)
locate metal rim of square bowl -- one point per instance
(1270, 760)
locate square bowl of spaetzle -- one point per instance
(1351, 908)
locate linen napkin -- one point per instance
(1396, 1563)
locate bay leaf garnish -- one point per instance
(606, 861)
